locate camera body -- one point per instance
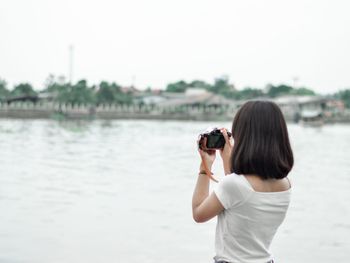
(215, 139)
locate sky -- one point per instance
(155, 42)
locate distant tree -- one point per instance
(248, 93)
(223, 87)
(60, 90)
(303, 91)
(274, 91)
(200, 84)
(4, 92)
(179, 86)
(23, 89)
(344, 95)
(108, 93)
(123, 98)
(80, 93)
(55, 86)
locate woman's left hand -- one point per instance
(226, 151)
(207, 156)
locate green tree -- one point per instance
(200, 84)
(179, 86)
(23, 89)
(223, 87)
(80, 93)
(303, 91)
(59, 89)
(108, 93)
(275, 91)
(344, 95)
(123, 98)
(248, 93)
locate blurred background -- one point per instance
(101, 103)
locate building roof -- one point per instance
(206, 98)
(294, 99)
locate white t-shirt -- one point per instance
(247, 225)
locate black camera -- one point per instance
(215, 139)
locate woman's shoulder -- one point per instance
(234, 179)
(235, 182)
(259, 185)
(248, 183)
(232, 191)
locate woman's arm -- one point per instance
(205, 207)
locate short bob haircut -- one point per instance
(261, 142)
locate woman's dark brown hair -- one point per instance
(261, 142)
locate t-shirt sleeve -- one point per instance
(231, 191)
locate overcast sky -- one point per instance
(254, 42)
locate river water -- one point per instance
(120, 191)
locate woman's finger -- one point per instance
(231, 140)
(200, 142)
(224, 133)
(205, 141)
(198, 139)
(211, 152)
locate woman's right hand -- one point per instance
(225, 152)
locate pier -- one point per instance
(46, 110)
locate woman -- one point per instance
(251, 201)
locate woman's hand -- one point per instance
(226, 151)
(207, 156)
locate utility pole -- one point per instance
(71, 51)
